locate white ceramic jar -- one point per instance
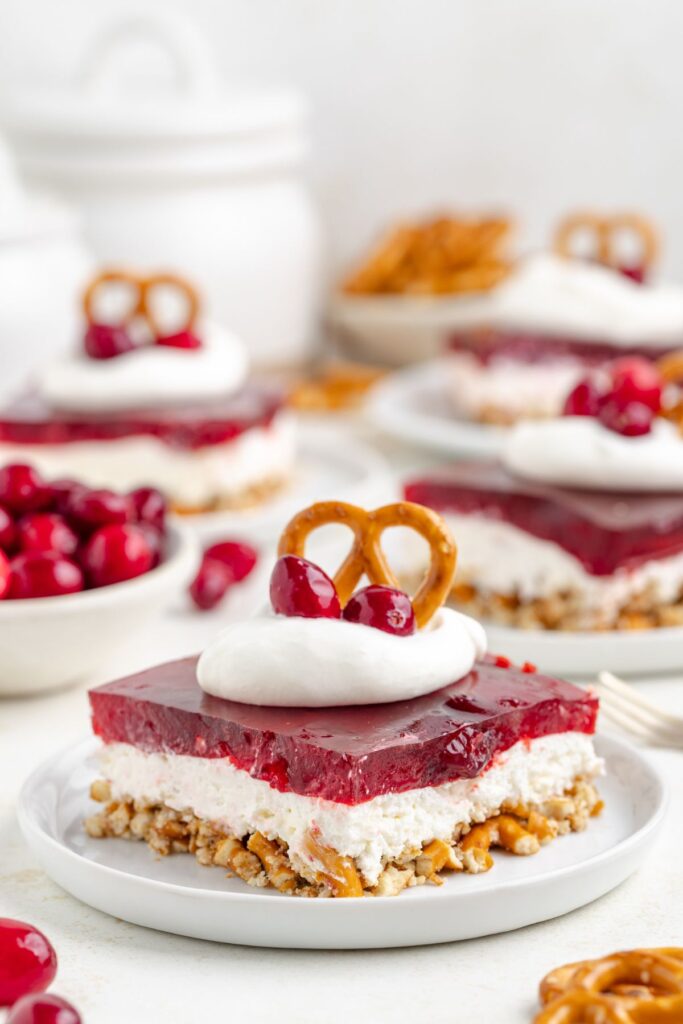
(178, 172)
(43, 266)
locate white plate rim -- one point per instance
(389, 409)
(32, 829)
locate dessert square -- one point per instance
(345, 801)
(540, 556)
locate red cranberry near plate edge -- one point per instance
(223, 565)
(63, 537)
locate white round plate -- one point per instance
(175, 894)
(328, 465)
(641, 652)
(413, 405)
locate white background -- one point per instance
(531, 105)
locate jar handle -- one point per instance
(178, 37)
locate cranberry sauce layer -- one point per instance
(529, 347)
(604, 532)
(343, 754)
(30, 421)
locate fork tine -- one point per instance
(612, 682)
(642, 709)
(633, 720)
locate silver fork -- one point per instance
(624, 706)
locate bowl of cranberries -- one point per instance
(81, 571)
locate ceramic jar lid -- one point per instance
(185, 119)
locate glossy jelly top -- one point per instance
(345, 754)
(605, 532)
(529, 347)
(30, 421)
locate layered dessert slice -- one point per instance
(553, 320)
(351, 741)
(581, 524)
(140, 404)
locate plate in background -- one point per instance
(413, 406)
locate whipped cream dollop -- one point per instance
(579, 299)
(152, 375)
(295, 662)
(578, 451)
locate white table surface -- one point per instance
(115, 972)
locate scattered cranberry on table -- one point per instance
(239, 558)
(43, 1009)
(382, 608)
(63, 537)
(300, 588)
(210, 585)
(223, 565)
(28, 962)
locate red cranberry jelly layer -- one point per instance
(29, 421)
(529, 347)
(343, 754)
(605, 532)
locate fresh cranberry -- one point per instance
(240, 558)
(43, 1009)
(636, 380)
(5, 575)
(634, 271)
(181, 339)
(500, 661)
(8, 533)
(583, 400)
(43, 574)
(529, 668)
(88, 510)
(211, 583)
(104, 341)
(150, 506)
(632, 420)
(46, 531)
(116, 553)
(297, 587)
(382, 608)
(28, 963)
(62, 494)
(22, 489)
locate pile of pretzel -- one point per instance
(641, 986)
(445, 255)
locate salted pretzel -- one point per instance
(604, 233)
(366, 557)
(642, 986)
(142, 290)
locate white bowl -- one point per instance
(396, 330)
(50, 642)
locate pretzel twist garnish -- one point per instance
(635, 987)
(366, 557)
(604, 232)
(142, 288)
